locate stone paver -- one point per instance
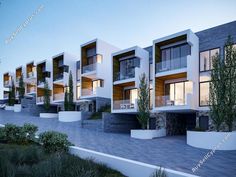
(169, 152)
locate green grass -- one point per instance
(33, 161)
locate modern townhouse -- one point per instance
(62, 65)
(44, 71)
(20, 71)
(211, 42)
(95, 81)
(7, 84)
(127, 67)
(30, 78)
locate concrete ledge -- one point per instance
(9, 108)
(128, 167)
(212, 140)
(148, 134)
(48, 115)
(69, 116)
(17, 107)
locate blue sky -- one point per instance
(63, 25)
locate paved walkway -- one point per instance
(169, 152)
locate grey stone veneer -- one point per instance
(119, 123)
(29, 106)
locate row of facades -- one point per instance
(178, 67)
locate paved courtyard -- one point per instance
(169, 152)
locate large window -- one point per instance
(96, 84)
(204, 93)
(78, 92)
(175, 52)
(177, 92)
(131, 95)
(206, 59)
(127, 67)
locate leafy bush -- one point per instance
(54, 141)
(20, 135)
(159, 173)
(29, 130)
(2, 134)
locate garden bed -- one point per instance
(33, 161)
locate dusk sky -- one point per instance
(63, 25)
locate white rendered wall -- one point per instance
(104, 70)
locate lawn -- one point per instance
(33, 161)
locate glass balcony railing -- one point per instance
(58, 96)
(89, 68)
(167, 101)
(5, 96)
(122, 76)
(88, 92)
(40, 99)
(123, 104)
(31, 90)
(58, 76)
(31, 74)
(172, 64)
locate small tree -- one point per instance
(21, 88)
(222, 88)
(230, 93)
(12, 95)
(70, 94)
(46, 96)
(143, 102)
(66, 100)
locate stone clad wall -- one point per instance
(119, 123)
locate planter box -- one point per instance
(48, 115)
(9, 108)
(212, 140)
(148, 134)
(17, 107)
(69, 116)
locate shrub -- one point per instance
(54, 141)
(2, 134)
(20, 135)
(159, 173)
(29, 130)
(13, 133)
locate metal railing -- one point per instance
(58, 96)
(121, 76)
(167, 101)
(172, 64)
(89, 68)
(123, 104)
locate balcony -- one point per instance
(58, 76)
(89, 68)
(31, 90)
(88, 92)
(166, 101)
(58, 96)
(123, 104)
(172, 64)
(40, 99)
(122, 76)
(31, 74)
(5, 96)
